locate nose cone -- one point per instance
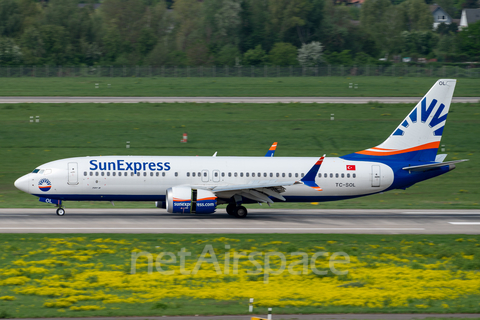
(22, 183)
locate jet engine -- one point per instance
(189, 200)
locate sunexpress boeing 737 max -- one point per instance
(200, 184)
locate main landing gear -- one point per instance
(239, 212)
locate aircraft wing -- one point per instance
(431, 166)
(260, 191)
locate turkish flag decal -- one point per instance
(351, 167)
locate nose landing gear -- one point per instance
(60, 212)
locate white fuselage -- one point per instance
(142, 178)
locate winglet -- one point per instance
(309, 178)
(271, 151)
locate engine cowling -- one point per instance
(189, 200)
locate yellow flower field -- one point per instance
(94, 274)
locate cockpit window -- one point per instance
(35, 171)
(41, 171)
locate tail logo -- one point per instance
(424, 116)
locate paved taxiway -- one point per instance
(258, 221)
(355, 100)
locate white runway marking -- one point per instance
(206, 229)
(464, 223)
(442, 212)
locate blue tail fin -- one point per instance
(418, 136)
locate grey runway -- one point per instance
(258, 221)
(354, 100)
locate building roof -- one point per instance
(473, 15)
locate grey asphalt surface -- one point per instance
(258, 221)
(355, 100)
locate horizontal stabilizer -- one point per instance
(426, 167)
(440, 157)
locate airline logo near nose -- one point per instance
(44, 185)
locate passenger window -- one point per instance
(265, 174)
(144, 174)
(157, 174)
(331, 175)
(283, 174)
(113, 174)
(278, 175)
(96, 174)
(216, 174)
(204, 174)
(229, 174)
(271, 174)
(325, 175)
(253, 174)
(138, 174)
(336, 175)
(132, 174)
(296, 175)
(193, 174)
(319, 175)
(289, 175)
(188, 174)
(241, 174)
(163, 174)
(246, 174)
(85, 173)
(354, 175)
(348, 175)
(223, 174)
(302, 175)
(151, 174)
(176, 174)
(235, 174)
(103, 174)
(343, 175)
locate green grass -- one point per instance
(460, 254)
(230, 87)
(68, 130)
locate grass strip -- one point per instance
(229, 87)
(91, 275)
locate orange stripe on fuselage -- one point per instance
(431, 145)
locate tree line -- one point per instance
(228, 32)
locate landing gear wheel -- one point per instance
(231, 209)
(60, 212)
(241, 212)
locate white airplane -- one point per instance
(199, 184)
